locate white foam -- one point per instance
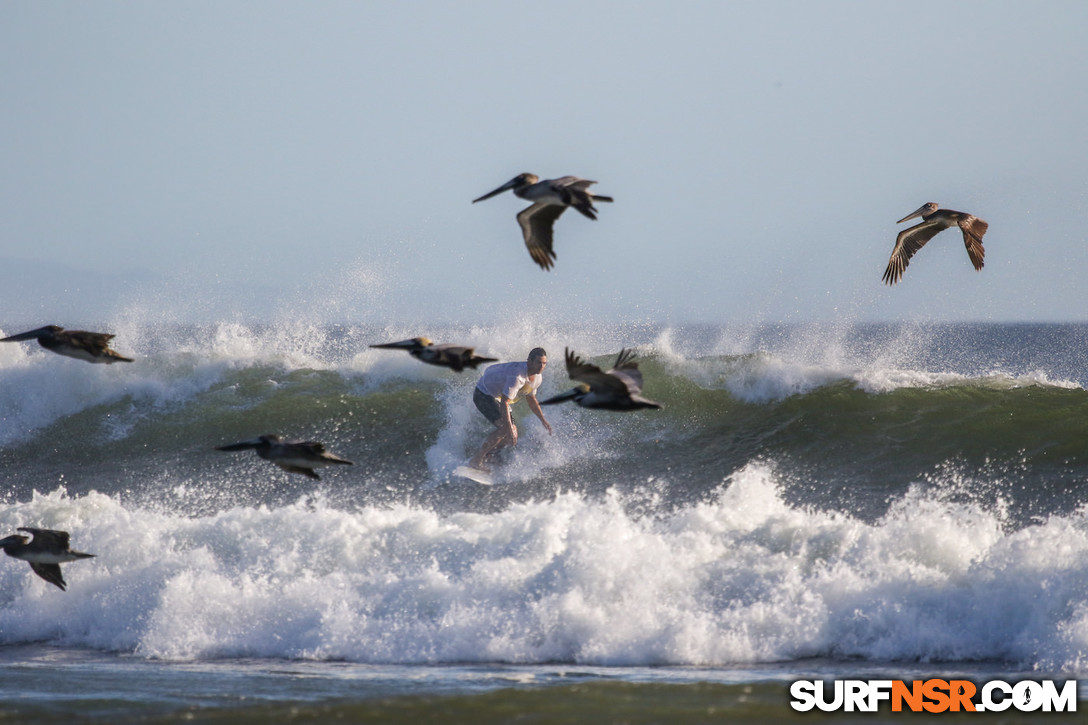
(742, 578)
(759, 371)
(40, 388)
(175, 363)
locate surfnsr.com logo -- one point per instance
(933, 695)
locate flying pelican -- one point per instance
(934, 220)
(45, 553)
(90, 346)
(448, 356)
(618, 389)
(292, 456)
(550, 198)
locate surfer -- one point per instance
(500, 386)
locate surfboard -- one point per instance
(473, 474)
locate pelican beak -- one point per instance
(414, 343)
(917, 212)
(508, 185)
(26, 335)
(562, 397)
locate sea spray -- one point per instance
(744, 577)
(801, 494)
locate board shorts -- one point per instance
(488, 406)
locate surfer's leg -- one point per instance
(494, 441)
(490, 408)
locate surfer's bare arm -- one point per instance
(506, 423)
(535, 407)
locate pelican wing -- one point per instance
(314, 447)
(973, 228)
(308, 472)
(49, 539)
(536, 226)
(579, 188)
(300, 451)
(453, 356)
(593, 376)
(96, 343)
(572, 190)
(573, 182)
(455, 350)
(87, 346)
(907, 244)
(49, 572)
(577, 367)
(626, 369)
(457, 357)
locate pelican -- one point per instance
(90, 346)
(456, 357)
(45, 553)
(292, 456)
(550, 198)
(934, 220)
(618, 389)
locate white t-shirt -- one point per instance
(511, 379)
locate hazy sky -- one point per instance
(213, 159)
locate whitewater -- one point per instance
(856, 496)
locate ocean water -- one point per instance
(902, 501)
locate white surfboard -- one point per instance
(473, 474)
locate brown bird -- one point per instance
(292, 456)
(455, 357)
(92, 347)
(550, 198)
(934, 220)
(45, 553)
(618, 389)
